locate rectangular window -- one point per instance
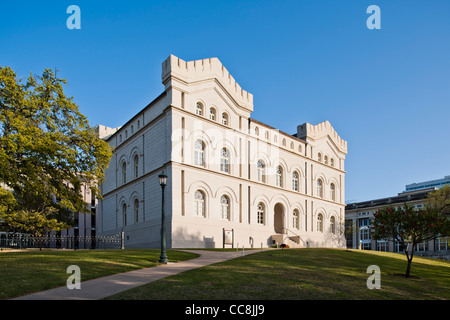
(136, 167)
(260, 218)
(295, 221)
(198, 209)
(364, 222)
(225, 212)
(224, 166)
(423, 246)
(442, 244)
(92, 198)
(382, 246)
(398, 247)
(198, 158)
(295, 184)
(365, 234)
(366, 246)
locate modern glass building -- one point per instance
(439, 183)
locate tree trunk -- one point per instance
(408, 267)
(409, 258)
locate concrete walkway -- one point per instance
(107, 286)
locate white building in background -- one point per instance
(438, 183)
(233, 181)
(358, 216)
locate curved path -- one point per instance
(100, 288)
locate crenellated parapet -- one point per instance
(311, 133)
(203, 70)
(105, 132)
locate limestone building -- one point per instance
(232, 180)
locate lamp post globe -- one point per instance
(162, 180)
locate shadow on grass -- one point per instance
(301, 274)
(29, 272)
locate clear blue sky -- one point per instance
(387, 92)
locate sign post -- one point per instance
(228, 237)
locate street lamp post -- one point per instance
(163, 182)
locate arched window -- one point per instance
(261, 174)
(212, 114)
(136, 211)
(256, 131)
(199, 206)
(279, 176)
(320, 222)
(292, 145)
(199, 153)
(199, 109)
(283, 142)
(225, 208)
(319, 157)
(300, 148)
(333, 225)
(332, 162)
(295, 219)
(124, 214)
(224, 161)
(295, 181)
(326, 159)
(260, 213)
(124, 172)
(224, 119)
(333, 192)
(266, 135)
(320, 188)
(136, 166)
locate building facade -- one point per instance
(232, 181)
(438, 183)
(83, 234)
(358, 216)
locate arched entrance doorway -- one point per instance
(278, 220)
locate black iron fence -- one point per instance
(26, 241)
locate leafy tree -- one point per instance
(8, 205)
(349, 229)
(7, 201)
(37, 223)
(48, 150)
(408, 227)
(440, 200)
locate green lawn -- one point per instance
(303, 274)
(272, 275)
(27, 272)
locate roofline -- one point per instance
(385, 201)
(137, 114)
(272, 128)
